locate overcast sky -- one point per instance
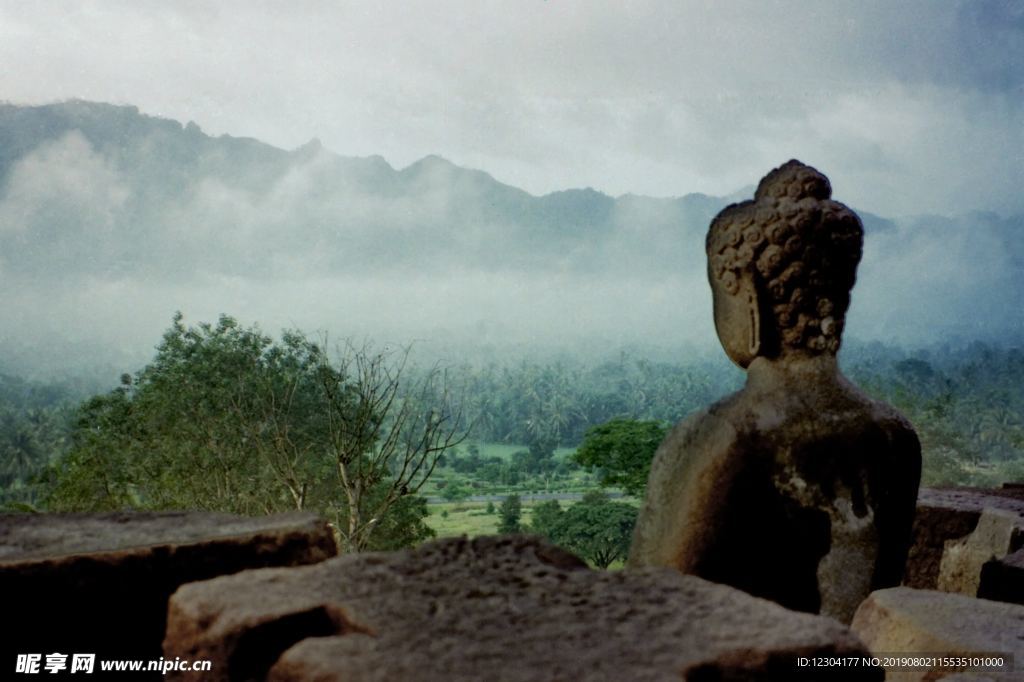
(910, 107)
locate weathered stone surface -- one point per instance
(949, 514)
(799, 469)
(902, 620)
(99, 583)
(494, 608)
(1003, 579)
(962, 560)
(1014, 489)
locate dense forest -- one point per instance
(137, 212)
(36, 424)
(967, 404)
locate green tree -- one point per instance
(455, 492)
(404, 525)
(594, 528)
(21, 454)
(510, 512)
(546, 518)
(35, 424)
(226, 419)
(621, 451)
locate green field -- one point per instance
(568, 477)
(471, 518)
(505, 450)
(464, 519)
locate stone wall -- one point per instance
(495, 608)
(946, 519)
(99, 583)
(510, 608)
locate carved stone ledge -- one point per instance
(494, 608)
(99, 583)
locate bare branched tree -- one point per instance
(226, 419)
(387, 428)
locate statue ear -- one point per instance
(748, 294)
(738, 319)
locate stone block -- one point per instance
(912, 622)
(1003, 579)
(495, 608)
(944, 515)
(99, 583)
(994, 537)
(1014, 489)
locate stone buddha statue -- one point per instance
(798, 488)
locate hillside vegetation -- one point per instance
(528, 419)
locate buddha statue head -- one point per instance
(781, 267)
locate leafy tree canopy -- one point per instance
(594, 528)
(227, 419)
(621, 450)
(510, 512)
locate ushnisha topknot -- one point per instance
(802, 250)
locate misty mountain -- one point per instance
(100, 189)
(110, 220)
(104, 190)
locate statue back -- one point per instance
(798, 488)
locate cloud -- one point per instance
(937, 279)
(59, 208)
(106, 232)
(647, 97)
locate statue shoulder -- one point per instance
(896, 428)
(895, 425)
(902, 462)
(695, 442)
(685, 475)
(716, 424)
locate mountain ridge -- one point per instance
(89, 117)
(165, 169)
(110, 220)
(124, 182)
